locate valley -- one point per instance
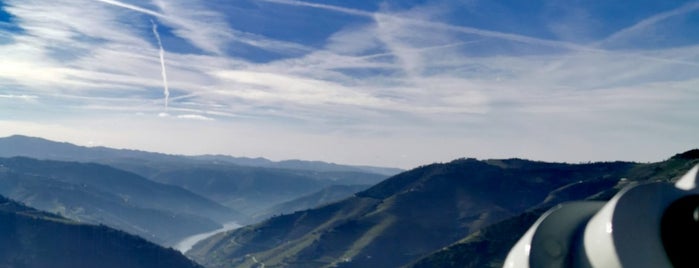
(464, 213)
(348, 134)
(164, 198)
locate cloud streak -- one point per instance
(437, 25)
(652, 20)
(20, 97)
(195, 117)
(345, 10)
(133, 8)
(503, 35)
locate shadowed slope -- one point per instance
(32, 238)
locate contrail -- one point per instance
(166, 90)
(132, 7)
(687, 8)
(437, 25)
(504, 35)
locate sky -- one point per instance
(388, 83)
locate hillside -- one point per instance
(324, 196)
(96, 193)
(489, 247)
(407, 216)
(35, 239)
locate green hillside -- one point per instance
(324, 196)
(407, 216)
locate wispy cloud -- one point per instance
(205, 28)
(195, 117)
(193, 21)
(650, 21)
(438, 25)
(345, 10)
(389, 80)
(20, 97)
(504, 35)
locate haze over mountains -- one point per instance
(465, 213)
(19, 145)
(97, 193)
(163, 198)
(246, 185)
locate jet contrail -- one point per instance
(132, 7)
(504, 35)
(166, 90)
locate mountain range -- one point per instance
(163, 198)
(39, 148)
(464, 213)
(96, 193)
(247, 185)
(489, 246)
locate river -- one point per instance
(187, 243)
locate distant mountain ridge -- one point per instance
(299, 164)
(246, 185)
(254, 189)
(36, 239)
(19, 145)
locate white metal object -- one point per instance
(624, 232)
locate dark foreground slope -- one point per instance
(489, 246)
(407, 216)
(31, 238)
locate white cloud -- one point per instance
(354, 41)
(399, 79)
(20, 97)
(193, 21)
(282, 88)
(195, 117)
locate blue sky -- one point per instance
(394, 83)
